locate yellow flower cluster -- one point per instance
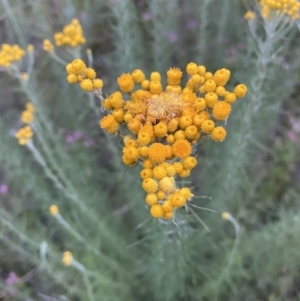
(47, 45)
(287, 7)
(71, 35)
(10, 54)
(164, 123)
(25, 133)
(27, 115)
(79, 73)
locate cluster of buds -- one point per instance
(9, 54)
(286, 7)
(27, 115)
(25, 133)
(165, 123)
(71, 36)
(86, 77)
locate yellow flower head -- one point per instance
(150, 185)
(221, 110)
(189, 162)
(178, 199)
(207, 126)
(240, 90)
(30, 107)
(165, 105)
(53, 209)
(90, 73)
(157, 152)
(143, 138)
(249, 15)
(167, 184)
(97, 84)
(109, 124)
(155, 87)
(72, 79)
(151, 199)
(155, 76)
(221, 77)
(226, 215)
(87, 85)
(138, 76)
(218, 134)
(146, 173)
(131, 153)
(67, 258)
(181, 148)
(191, 68)
(156, 211)
(186, 192)
(126, 82)
(174, 76)
(78, 66)
(160, 130)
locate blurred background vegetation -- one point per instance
(253, 174)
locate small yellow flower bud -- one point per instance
(150, 185)
(230, 97)
(126, 82)
(226, 215)
(191, 68)
(207, 126)
(210, 85)
(138, 76)
(218, 134)
(47, 45)
(249, 15)
(67, 258)
(155, 76)
(145, 84)
(90, 73)
(53, 209)
(146, 173)
(155, 87)
(156, 211)
(30, 48)
(151, 199)
(87, 85)
(240, 90)
(178, 199)
(72, 79)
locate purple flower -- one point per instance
(3, 189)
(12, 278)
(72, 137)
